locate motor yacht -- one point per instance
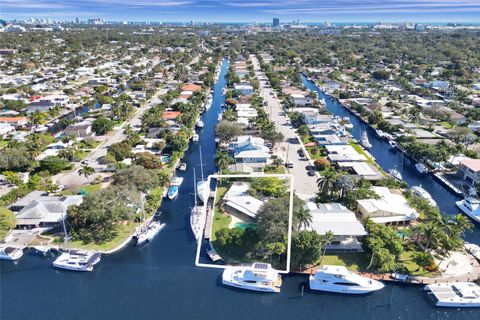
(395, 173)
(392, 144)
(419, 191)
(77, 260)
(456, 295)
(149, 232)
(10, 253)
(470, 205)
(200, 124)
(473, 249)
(195, 137)
(182, 166)
(257, 277)
(421, 168)
(340, 280)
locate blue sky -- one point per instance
(246, 11)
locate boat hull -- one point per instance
(12, 257)
(467, 212)
(317, 286)
(249, 287)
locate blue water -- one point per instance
(160, 281)
(389, 159)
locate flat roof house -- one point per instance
(237, 200)
(391, 208)
(469, 170)
(342, 222)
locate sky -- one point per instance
(246, 10)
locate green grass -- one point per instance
(220, 219)
(314, 155)
(354, 261)
(406, 262)
(274, 169)
(3, 144)
(122, 233)
(87, 189)
(360, 150)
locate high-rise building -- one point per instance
(276, 23)
(77, 21)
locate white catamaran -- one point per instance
(76, 260)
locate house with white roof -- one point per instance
(390, 208)
(250, 149)
(37, 209)
(237, 200)
(339, 153)
(339, 220)
(244, 89)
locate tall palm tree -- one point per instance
(303, 217)
(86, 171)
(327, 239)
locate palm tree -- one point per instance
(327, 239)
(303, 217)
(374, 244)
(222, 160)
(327, 180)
(86, 171)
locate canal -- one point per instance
(388, 159)
(160, 280)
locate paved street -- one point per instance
(305, 185)
(73, 178)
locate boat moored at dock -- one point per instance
(149, 232)
(10, 253)
(421, 168)
(419, 191)
(364, 140)
(257, 277)
(77, 260)
(339, 279)
(175, 184)
(455, 295)
(395, 173)
(470, 205)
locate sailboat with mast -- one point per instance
(149, 231)
(197, 216)
(76, 260)
(202, 185)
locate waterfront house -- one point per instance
(191, 87)
(244, 89)
(313, 118)
(339, 153)
(390, 208)
(341, 222)
(37, 209)
(469, 170)
(237, 200)
(250, 149)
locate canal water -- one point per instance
(160, 281)
(388, 159)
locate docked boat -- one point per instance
(257, 277)
(195, 137)
(209, 102)
(455, 294)
(197, 215)
(200, 124)
(182, 166)
(220, 116)
(473, 249)
(172, 192)
(77, 260)
(340, 280)
(347, 123)
(421, 168)
(364, 140)
(149, 232)
(10, 253)
(395, 173)
(202, 185)
(470, 205)
(419, 191)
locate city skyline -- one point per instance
(251, 11)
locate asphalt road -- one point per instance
(305, 185)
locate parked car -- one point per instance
(311, 173)
(301, 153)
(289, 164)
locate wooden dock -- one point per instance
(209, 222)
